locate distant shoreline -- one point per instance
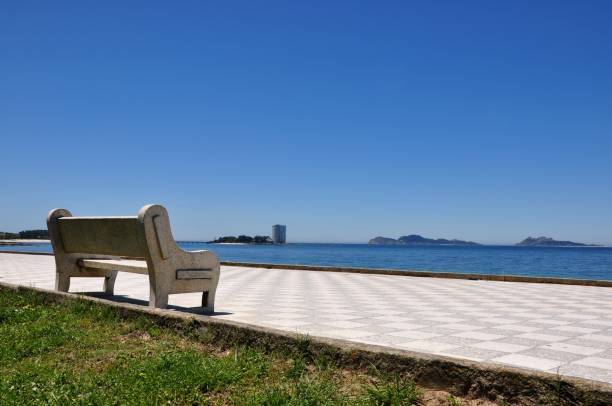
(35, 241)
(24, 241)
(560, 262)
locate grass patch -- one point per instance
(395, 391)
(80, 352)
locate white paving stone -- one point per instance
(576, 329)
(597, 362)
(538, 326)
(527, 361)
(541, 337)
(597, 337)
(427, 345)
(417, 335)
(517, 327)
(573, 349)
(500, 346)
(479, 335)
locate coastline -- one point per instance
(555, 262)
(24, 241)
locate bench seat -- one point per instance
(138, 266)
(123, 265)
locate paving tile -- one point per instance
(498, 320)
(433, 313)
(333, 316)
(528, 315)
(597, 337)
(479, 313)
(415, 334)
(289, 316)
(344, 324)
(460, 326)
(459, 341)
(582, 371)
(575, 329)
(471, 353)
(427, 346)
(541, 337)
(548, 322)
(479, 335)
(577, 316)
(438, 330)
(606, 353)
(597, 362)
(500, 346)
(517, 328)
(527, 361)
(588, 343)
(605, 323)
(404, 326)
(542, 352)
(343, 333)
(445, 319)
(398, 319)
(574, 349)
(383, 312)
(381, 339)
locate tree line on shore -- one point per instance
(26, 234)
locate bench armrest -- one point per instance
(201, 259)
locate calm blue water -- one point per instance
(582, 263)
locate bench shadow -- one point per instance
(145, 303)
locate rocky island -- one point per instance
(549, 242)
(415, 239)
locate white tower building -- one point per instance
(279, 234)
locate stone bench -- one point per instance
(103, 246)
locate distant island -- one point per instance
(549, 242)
(24, 237)
(242, 239)
(417, 240)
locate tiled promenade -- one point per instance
(554, 328)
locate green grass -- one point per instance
(79, 352)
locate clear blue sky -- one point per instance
(479, 120)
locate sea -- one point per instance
(560, 262)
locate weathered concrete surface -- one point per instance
(542, 327)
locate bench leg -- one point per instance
(208, 301)
(62, 282)
(208, 297)
(158, 298)
(109, 283)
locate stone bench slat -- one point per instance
(123, 265)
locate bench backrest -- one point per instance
(132, 237)
(121, 236)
